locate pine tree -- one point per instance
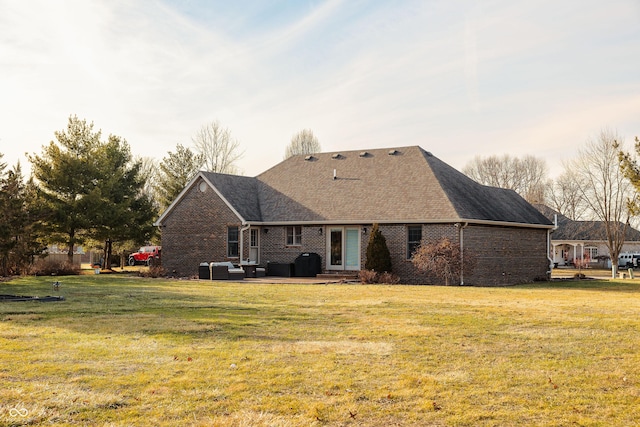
(378, 256)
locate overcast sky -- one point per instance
(458, 78)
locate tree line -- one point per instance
(601, 183)
(85, 189)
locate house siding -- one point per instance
(274, 246)
(196, 231)
(518, 254)
(506, 255)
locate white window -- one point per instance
(590, 253)
(294, 235)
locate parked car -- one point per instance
(629, 260)
(145, 255)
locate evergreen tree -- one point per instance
(176, 170)
(125, 212)
(67, 176)
(91, 188)
(19, 222)
(378, 256)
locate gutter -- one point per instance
(462, 227)
(244, 228)
(551, 230)
(403, 221)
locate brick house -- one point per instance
(585, 241)
(326, 203)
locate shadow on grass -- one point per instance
(102, 305)
(590, 284)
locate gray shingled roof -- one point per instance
(569, 229)
(410, 185)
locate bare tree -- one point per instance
(219, 150)
(304, 142)
(149, 171)
(604, 188)
(565, 196)
(443, 260)
(526, 176)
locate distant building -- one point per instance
(583, 240)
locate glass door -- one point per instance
(335, 249)
(343, 250)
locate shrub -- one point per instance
(378, 256)
(370, 277)
(56, 268)
(442, 259)
(154, 271)
(388, 278)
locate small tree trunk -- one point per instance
(70, 253)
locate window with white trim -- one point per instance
(414, 237)
(294, 235)
(591, 253)
(232, 242)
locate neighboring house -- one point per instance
(327, 203)
(583, 240)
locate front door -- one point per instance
(343, 251)
(254, 245)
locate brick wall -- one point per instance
(506, 255)
(274, 248)
(196, 231)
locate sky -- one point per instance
(458, 78)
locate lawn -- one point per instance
(122, 350)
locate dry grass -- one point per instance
(132, 351)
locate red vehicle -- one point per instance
(145, 255)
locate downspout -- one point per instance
(462, 227)
(549, 231)
(244, 228)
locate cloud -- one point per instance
(459, 80)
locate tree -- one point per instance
(443, 259)
(175, 171)
(526, 176)
(565, 196)
(90, 188)
(149, 172)
(20, 230)
(66, 174)
(378, 256)
(304, 142)
(218, 149)
(125, 212)
(605, 188)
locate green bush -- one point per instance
(378, 256)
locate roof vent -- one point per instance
(309, 158)
(364, 154)
(336, 156)
(428, 153)
(393, 152)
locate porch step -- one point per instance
(337, 276)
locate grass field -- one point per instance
(129, 351)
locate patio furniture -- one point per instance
(226, 271)
(252, 269)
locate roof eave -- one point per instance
(408, 221)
